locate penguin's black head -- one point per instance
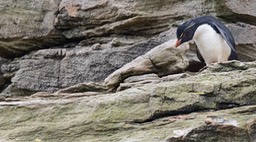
(185, 32)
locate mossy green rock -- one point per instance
(154, 112)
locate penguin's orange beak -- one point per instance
(178, 43)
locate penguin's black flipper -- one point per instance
(199, 56)
(226, 34)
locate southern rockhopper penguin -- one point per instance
(214, 41)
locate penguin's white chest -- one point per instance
(211, 45)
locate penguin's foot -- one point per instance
(202, 69)
(211, 65)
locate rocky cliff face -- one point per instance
(51, 45)
(59, 46)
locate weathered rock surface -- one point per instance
(242, 10)
(27, 25)
(244, 36)
(97, 18)
(162, 60)
(99, 37)
(70, 46)
(162, 111)
(53, 69)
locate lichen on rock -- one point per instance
(56, 54)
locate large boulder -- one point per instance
(162, 60)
